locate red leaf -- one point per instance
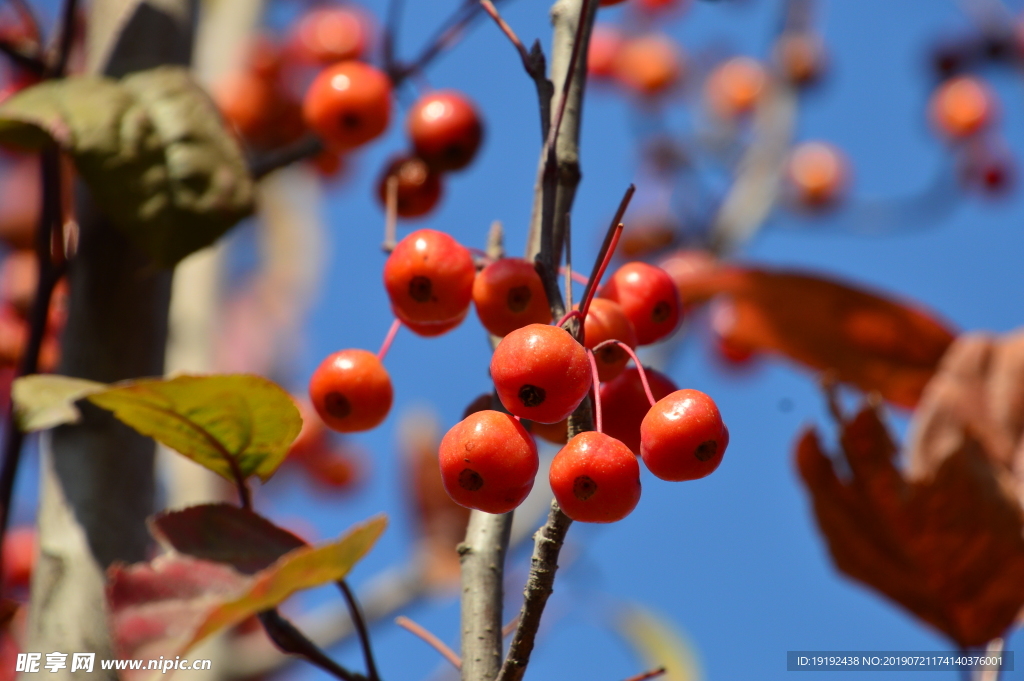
(224, 533)
(867, 340)
(947, 547)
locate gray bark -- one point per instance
(97, 477)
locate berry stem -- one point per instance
(572, 314)
(390, 214)
(388, 339)
(431, 640)
(636, 361)
(591, 289)
(597, 392)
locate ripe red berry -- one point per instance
(648, 297)
(605, 43)
(328, 35)
(541, 373)
(595, 479)
(348, 104)
(429, 278)
(445, 129)
(351, 390)
(19, 556)
(818, 173)
(488, 462)
(508, 295)
(961, 107)
(650, 64)
(683, 437)
(419, 187)
(734, 87)
(606, 320)
(624, 404)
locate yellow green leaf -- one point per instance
(224, 422)
(43, 401)
(303, 568)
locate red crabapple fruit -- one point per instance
(625, 404)
(488, 462)
(541, 373)
(649, 298)
(351, 390)
(595, 478)
(508, 295)
(683, 437)
(429, 278)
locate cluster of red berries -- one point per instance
(264, 102)
(347, 103)
(445, 130)
(541, 374)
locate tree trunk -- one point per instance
(97, 476)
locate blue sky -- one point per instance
(735, 560)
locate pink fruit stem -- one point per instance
(388, 339)
(636, 360)
(597, 392)
(570, 315)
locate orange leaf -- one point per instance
(869, 341)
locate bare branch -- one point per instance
(431, 640)
(301, 149)
(648, 675)
(547, 545)
(288, 638)
(482, 557)
(26, 59)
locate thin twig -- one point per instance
(391, 25)
(510, 626)
(496, 241)
(288, 638)
(305, 147)
(390, 214)
(547, 545)
(429, 638)
(67, 36)
(568, 264)
(648, 675)
(356, 613)
(596, 387)
(606, 246)
(51, 215)
(534, 64)
(28, 61)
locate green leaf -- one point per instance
(224, 533)
(303, 568)
(152, 148)
(220, 422)
(43, 401)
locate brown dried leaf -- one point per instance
(948, 547)
(869, 341)
(978, 389)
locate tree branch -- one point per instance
(482, 558)
(547, 545)
(431, 640)
(303, 148)
(535, 65)
(288, 638)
